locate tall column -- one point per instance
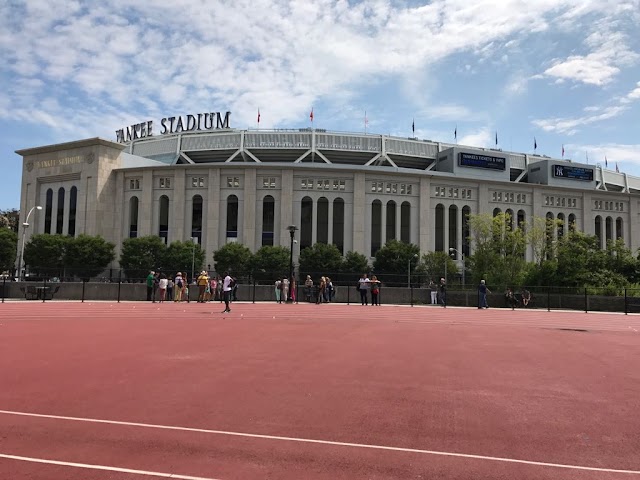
(211, 214)
(177, 208)
(383, 225)
(147, 215)
(359, 214)
(65, 210)
(426, 240)
(445, 245)
(249, 220)
(460, 232)
(54, 211)
(330, 223)
(286, 211)
(399, 221)
(314, 222)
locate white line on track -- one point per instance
(103, 467)
(321, 442)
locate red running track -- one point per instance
(416, 393)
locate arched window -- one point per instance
(322, 234)
(391, 220)
(232, 218)
(619, 228)
(549, 235)
(405, 222)
(496, 212)
(133, 217)
(268, 219)
(509, 219)
(48, 211)
(60, 212)
(598, 228)
(572, 222)
(73, 204)
(609, 229)
(163, 218)
(560, 225)
(439, 228)
(196, 218)
(306, 223)
(466, 232)
(376, 226)
(453, 227)
(338, 224)
(522, 220)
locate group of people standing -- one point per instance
(285, 290)
(438, 292)
(368, 286)
(161, 288)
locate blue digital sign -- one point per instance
(481, 161)
(572, 173)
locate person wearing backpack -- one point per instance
(179, 287)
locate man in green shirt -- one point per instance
(150, 285)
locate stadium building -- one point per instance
(198, 178)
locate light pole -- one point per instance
(24, 231)
(292, 231)
(458, 252)
(193, 256)
(415, 255)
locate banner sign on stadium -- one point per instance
(168, 125)
(573, 173)
(481, 161)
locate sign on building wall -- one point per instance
(572, 173)
(481, 161)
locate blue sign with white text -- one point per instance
(573, 173)
(481, 161)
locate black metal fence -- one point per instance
(248, 290)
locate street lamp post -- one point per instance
(292, 231)
(193, 256)
(415, 255)
(25, 225)
(458, 252)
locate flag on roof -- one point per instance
(617, 169)
(258, 115)
(413, 126)
(535, 143)
(455, 133)
(562, 151)
(311, 115)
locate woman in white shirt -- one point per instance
(162, 285)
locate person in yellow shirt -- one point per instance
(202, 282)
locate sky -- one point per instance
(562, 72)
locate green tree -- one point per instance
(321, 258)
(45, 254)
(8, 249)
(187, 257)
(233, 258)
(432, 266)
(140, 255)
(270, 262)
(10, 218)
(392, 261)
(87, 256)
(356, 263)
(499, 249)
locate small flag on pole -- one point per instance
(535, 144)
(496, 138)
(562, 151)
(455, 134)
(258, 116)
(311, 115)
(617, 169)
(606, 162)
(413, 126)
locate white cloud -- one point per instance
(174, 57)
(570, 126)
(624, 155)
(632, 95)
(480, 138)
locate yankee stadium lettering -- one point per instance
(188, 123)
